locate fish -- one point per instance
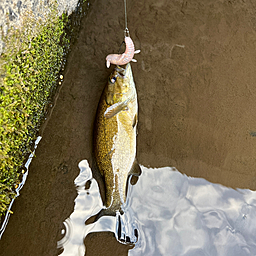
(126, 57)
(115, 137)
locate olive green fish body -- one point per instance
(115, 135)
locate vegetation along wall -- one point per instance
(30, 65)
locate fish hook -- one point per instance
(126, 32)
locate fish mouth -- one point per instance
(125, 72)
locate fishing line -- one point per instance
(126, 30)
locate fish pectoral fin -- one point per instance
(137, 51)
(115, 109)
(133, 60)
(135, 170)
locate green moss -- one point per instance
(30, 67)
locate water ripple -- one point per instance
(171, 213)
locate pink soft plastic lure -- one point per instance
(126, 57)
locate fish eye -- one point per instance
(112, 79)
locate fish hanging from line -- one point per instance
(126, 57)
(115, 137)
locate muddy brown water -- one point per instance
(196, 109)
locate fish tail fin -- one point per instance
(126, 232)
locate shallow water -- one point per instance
(174, 215)
(20, 186)
(196, 112)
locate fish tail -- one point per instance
(125, 232)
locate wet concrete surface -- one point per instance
(196, 109)
(13, 13)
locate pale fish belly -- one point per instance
(124, 151)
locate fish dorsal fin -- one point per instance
(115, 109)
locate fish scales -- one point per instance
(115, 135)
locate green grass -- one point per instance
(29, 69)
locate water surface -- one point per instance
(173, 214)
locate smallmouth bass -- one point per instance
(115, 136)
